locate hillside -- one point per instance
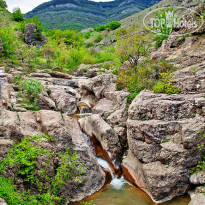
(5, 18)
(112, 116)
(73, 14)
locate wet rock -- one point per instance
(95, 126)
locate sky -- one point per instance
(28, 5)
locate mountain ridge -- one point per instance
(73, 14)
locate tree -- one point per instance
(17, 15)
(10, 41)
(49, 52)
(135, 44)
(3, 4)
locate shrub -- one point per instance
(21, 26)
(98, 39)
(9, 40)
(100, 28)
(133, 46)
(164, 86)
(158, 40)
(22, 159)
(30, 89)
(87, 35)
(113, 25)
(17, 15)
(121, 32)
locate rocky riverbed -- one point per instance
(161, 131)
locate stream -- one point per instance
(119, 191)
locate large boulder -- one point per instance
(64, 97)
(163, 137)
(95, 126)
(33, 35)
(105, 107)
(197, 196)
(148, 105)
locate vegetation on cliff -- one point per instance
(32, 165)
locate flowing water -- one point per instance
(121, 192)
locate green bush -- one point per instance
(22, 159)
(159, 39)
(9, 40)
(30, 89)
(21, 26)
(100, 28)
(113, 25)
(98, 39)
(164, 86)
(87, 35)
(17, 15)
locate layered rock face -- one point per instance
(67, 133)
(58, 100)
(163, 134)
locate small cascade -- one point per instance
(115, 183)
(89, 143)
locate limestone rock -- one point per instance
(147, 106)
(104, 107)
(198, 178)
(65, 99)
(97, 127)
(163, 138)
(2, 202)
(33, 35)
(119, 117)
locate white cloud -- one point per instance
(24, 5)
(28, 5)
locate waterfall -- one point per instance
(115, 183)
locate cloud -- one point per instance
(24, 5)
